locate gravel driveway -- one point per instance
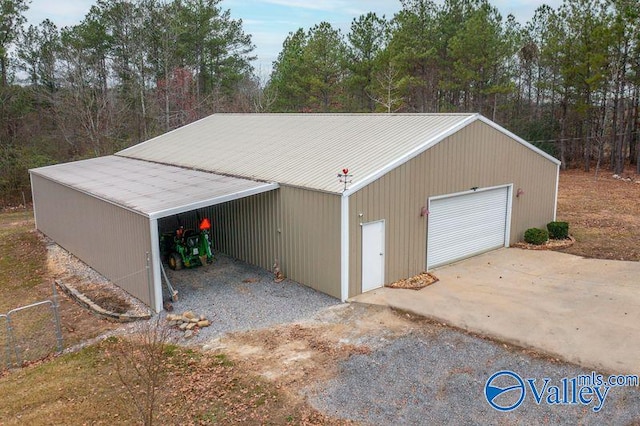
(428, 374)
(436, 375)
(236, 296)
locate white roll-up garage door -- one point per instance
(463, 225)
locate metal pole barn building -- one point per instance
(423, 190)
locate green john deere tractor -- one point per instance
(187, 248)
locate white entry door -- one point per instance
(372, 255)
(463, 225)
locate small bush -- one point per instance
(536, 236)
(558, 230)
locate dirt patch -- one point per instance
(96, 385)
(105, 298)
(415, 283)
(217, 390)
(294, 355)
(603, 214)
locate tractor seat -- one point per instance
(192, 241)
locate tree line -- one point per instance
(128, 71)
(568, 80)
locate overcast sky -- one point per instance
(269, 21)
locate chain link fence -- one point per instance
(5, 348)
(30, 332)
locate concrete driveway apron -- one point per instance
(586, 311)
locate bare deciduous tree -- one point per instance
(141, 365)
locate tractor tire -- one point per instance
(175, 261)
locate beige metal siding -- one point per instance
(478, 155)
(113, 240)
(299, 227)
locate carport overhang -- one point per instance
(152, 190)
(224, 195)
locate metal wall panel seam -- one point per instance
(68, 207)
(519, 139)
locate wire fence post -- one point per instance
(7, 343)
(56, 317)
(12, 342)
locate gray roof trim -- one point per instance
(410, 155)
(213, 201)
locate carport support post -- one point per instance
(156, 278)
(344, 247)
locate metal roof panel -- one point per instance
(154, 190)
(306, 150)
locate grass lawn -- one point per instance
(23, 261)
(195, 388)
(603, 214)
